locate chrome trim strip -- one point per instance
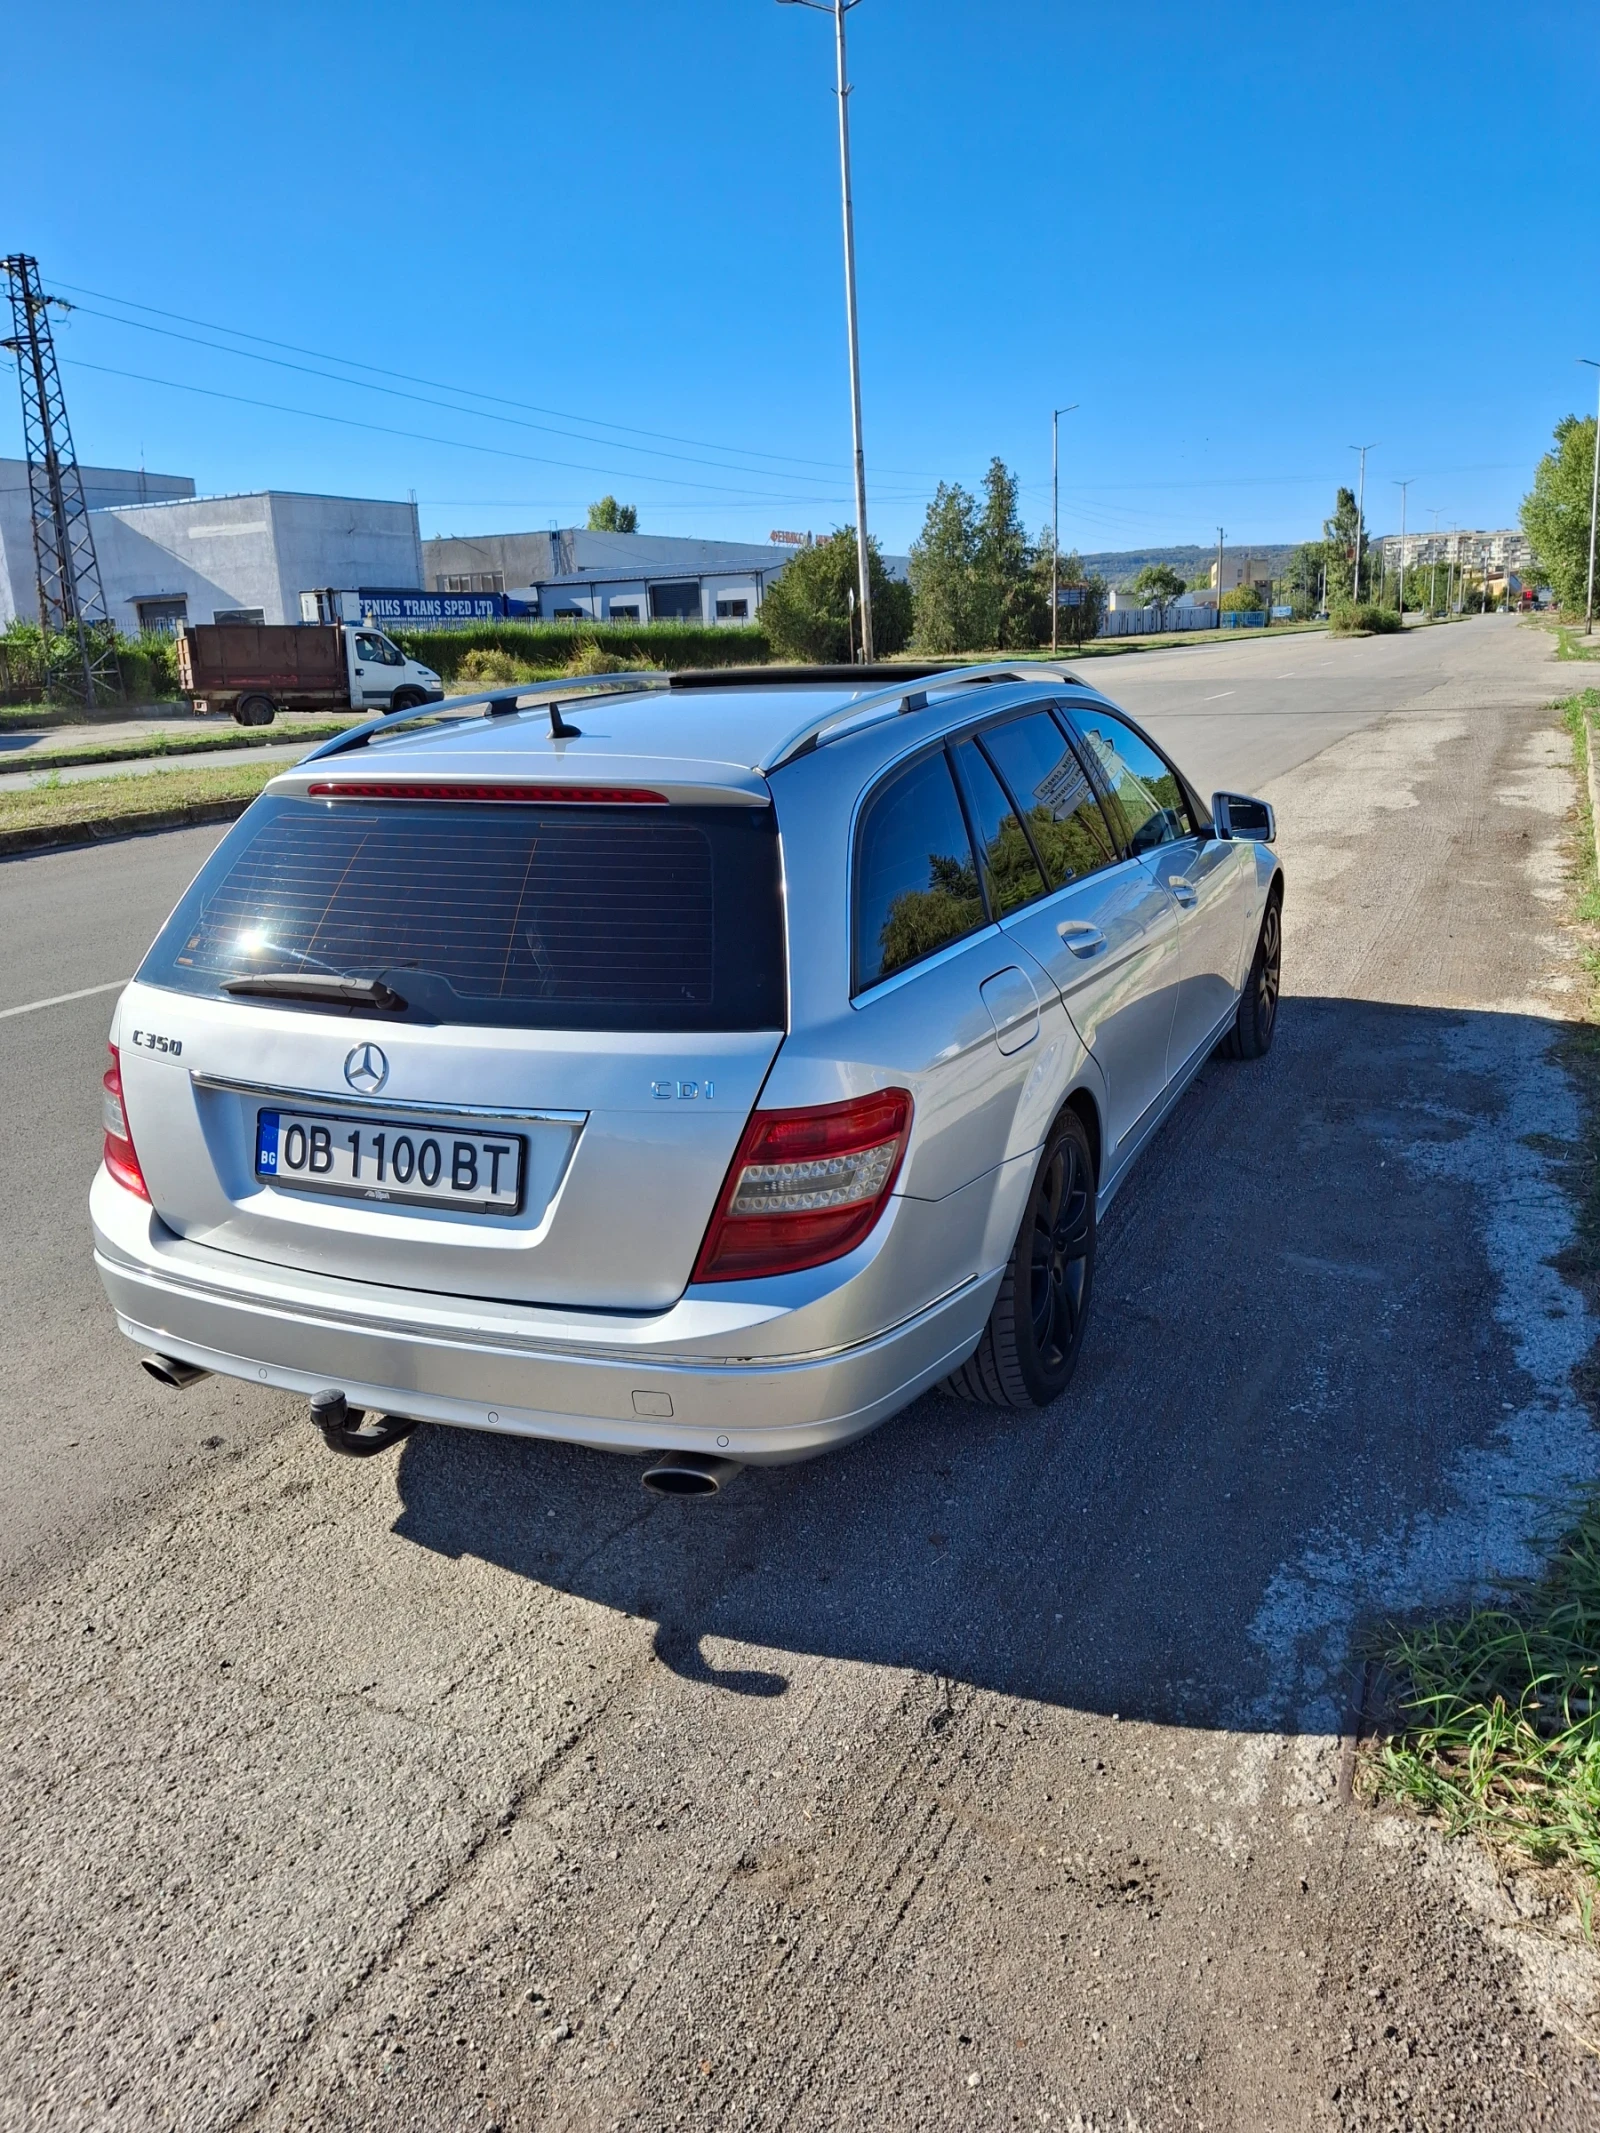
(381, 1106)
(500, 1339)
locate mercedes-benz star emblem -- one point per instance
(366, 1069)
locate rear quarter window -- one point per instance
(660, 918)
(916, 881)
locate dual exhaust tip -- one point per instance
(345, 1429)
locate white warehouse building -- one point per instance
(577, 573)
(247, 558)
(103, 487)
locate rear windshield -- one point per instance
(613, 918)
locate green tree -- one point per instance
(1013, 612)
(1243, 600)
(944, 578)
(1340, 535)
(608, 516)
(807, 611)
(1302, 577)
(1555, 512)
(1157, 582)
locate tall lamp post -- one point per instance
(1056, 414)
(1402, 486)
(1361, 522)
(1594, 506)
(838, 9)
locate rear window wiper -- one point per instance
(332, 985)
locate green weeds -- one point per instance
(1500, 1712)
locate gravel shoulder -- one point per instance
(993, 1772)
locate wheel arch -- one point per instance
(1081, 1102)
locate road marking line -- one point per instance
(60, 999)
(1221, 693)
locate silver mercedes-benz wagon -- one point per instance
(701, 1067)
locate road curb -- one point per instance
(109, 829)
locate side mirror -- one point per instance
(1235, 815)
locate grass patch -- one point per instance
(1501, 1712)
(137, 746)
(1575, 715)
(1498, 1706)
(1571, 644)
(158, 792)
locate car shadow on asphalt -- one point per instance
(1299, 1348)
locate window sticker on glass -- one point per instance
(1050, 784)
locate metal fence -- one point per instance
(1153, 621)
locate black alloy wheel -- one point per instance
(1252, 1032)
(1030, 1346)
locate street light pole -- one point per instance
(1055, 518)
(1402, 486)
(1361, 522)
(1594, 506)
(838, 9)
(1433, 573)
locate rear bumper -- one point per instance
(628, 1387)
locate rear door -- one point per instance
(603, 985)
(943, 999)
(1210, 879)
(1107, 931)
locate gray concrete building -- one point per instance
(571, 573)
(247, 558)
(102, 487)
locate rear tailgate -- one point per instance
(550, 960)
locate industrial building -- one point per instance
(573, 574)
(103, 487)
(246, 558)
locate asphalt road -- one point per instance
(988, 1773)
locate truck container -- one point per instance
(256, 670)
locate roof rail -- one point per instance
(892, 703)
(491, 703)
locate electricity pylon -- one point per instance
(72, 602)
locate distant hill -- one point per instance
(1120, 566)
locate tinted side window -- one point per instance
(1009, 866)
(1142, 784)
(1043, 771)
(916, 884)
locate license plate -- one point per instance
(393, 1160)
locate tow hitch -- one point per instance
(345, 1429)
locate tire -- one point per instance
(1257, 1019)
(1030, 1346)
(406, 700)
(255, 711)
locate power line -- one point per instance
(457, 444)
(528, 407)
(476, 414)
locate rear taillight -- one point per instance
(121, 1159)
(805, 1186)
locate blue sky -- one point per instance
(1241, 241)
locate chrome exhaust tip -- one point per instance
(167, 1370)
(688, 1474)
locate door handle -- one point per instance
(1184, 891)
(1082, 938)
